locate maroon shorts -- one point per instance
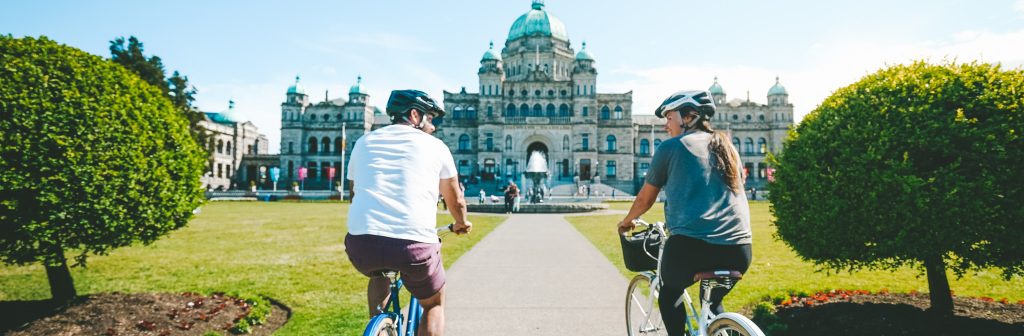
(418, 263)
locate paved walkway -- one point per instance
(534, 275)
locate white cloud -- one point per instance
(834, 64)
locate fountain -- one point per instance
(536, 171)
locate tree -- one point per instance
(151, 69)
(93, 159)
(914, 165)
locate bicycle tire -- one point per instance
(636, 317)
(732, 324)
(381, 325)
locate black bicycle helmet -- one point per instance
(401, 101)
(698, 100)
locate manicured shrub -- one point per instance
(93, 158)
(914, 165)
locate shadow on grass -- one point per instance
(839, 319)
(16, 314)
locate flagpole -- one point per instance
(342, 173)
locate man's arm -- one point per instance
(456, 204)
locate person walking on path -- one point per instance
(483, 195)
(397, 173)
(511, 193)
(705, 207)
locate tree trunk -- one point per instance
(938, 286)
(62, 287)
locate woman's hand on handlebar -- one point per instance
(626, 226)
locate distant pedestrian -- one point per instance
(483, 196)
(511, 193)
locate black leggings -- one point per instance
(683, 258)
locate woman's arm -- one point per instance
(644, 200)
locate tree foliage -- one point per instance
(913, 162)
(151, 69)
(94, 158)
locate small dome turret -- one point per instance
(358, 87)
(231, 115)
(491, 55)
(777, 89)
(584, 55)
(296, 88)
(716, 89)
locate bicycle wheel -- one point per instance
(381, 325)
(732, 324)
(643, 318)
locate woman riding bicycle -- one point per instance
(706, 209)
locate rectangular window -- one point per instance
(586, 111)
(220, 170)
(747, 168)
(586, 141)
(489, 143)
(610, 169)
(490, 111)
(228, 171)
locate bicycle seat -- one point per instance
(717, 274)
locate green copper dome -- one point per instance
(538, 21)
(296, 89)
(491, 55)
(358, 87)
(584, 55)
(777, 89)
(231, 115)
(716, 89)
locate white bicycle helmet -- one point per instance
(699, 100)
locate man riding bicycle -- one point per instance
(706, 208)
(397, 173)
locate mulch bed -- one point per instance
(136, 314)
(897, 314)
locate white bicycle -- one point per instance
(643, 317)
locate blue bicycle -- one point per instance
(390, 319)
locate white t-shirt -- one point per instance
(396, 171)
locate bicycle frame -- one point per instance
(393, 309)
(696, 324)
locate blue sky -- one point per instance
(250, 51)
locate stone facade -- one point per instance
(232, 142)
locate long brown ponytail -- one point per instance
(725, 159)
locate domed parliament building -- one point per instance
(535, 94)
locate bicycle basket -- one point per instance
(633, 250)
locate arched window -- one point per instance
(537, 112)
(736, 143)
(611, 143)
(463, 142)
(510, 110)
(220, 146)
(762, 146)
(227, 148)
(457, 112)
(508, 143)
(312, 117)
(536, 93)
(645, 147)
(565, 143)
(470, 112)
(524, 110)
(563, 93)
(312, 145)
(524, 93)
(760, 117)
(563, 110)
(327, 117)
(337, 145)
(551, 93)
(748, 117)
(618, 112)
(657, 143)
(326, 145)
(551, 110)
(605, 112)
(748, 146)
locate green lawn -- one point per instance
(776, 269)
(292, 252)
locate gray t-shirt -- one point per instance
(698, 203)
